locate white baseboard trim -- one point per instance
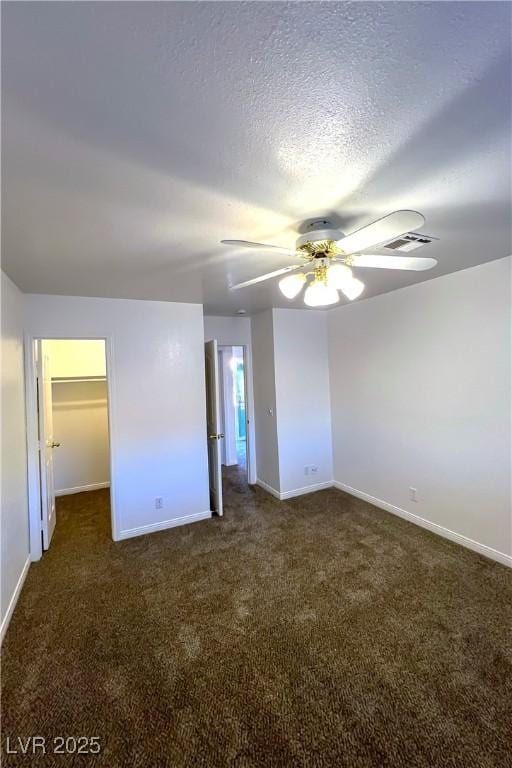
(440, 530)
(305, 489)
(268, 488)
(141, 530)
(295, 492)
(82, 488)
(14, 599)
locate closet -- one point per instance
(80, 414)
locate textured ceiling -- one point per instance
(138, 135)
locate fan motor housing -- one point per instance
(318, 231)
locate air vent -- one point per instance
(409, 242)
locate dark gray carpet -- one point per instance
(315, 632)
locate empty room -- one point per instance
(256, 282)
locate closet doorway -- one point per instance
(72, 429)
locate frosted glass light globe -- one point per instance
(292, 285)
(318, 294)
(338, 275)
(353, 289)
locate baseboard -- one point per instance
(14, 599)
(82, 488)
(268, 488)
(162, 526)
(305, 489)
(440, 530)
(295, 492)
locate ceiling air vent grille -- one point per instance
(409, 242)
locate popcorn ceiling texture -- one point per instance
(137, 135)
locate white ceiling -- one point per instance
(138, 135)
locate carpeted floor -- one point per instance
(314, 632)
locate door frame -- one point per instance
(248, 422)
(33, 468)
(225, 454)
(249, 455)
(48, 516)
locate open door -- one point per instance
(46, 444)
(213, 425)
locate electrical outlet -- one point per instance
(413, 494)
(159, 502)
(306, 470)
(313, 469)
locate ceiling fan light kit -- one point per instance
(333, 254)
(327, 281)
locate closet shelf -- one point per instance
(69, 379)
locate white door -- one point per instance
(214, 434)
(46, 444)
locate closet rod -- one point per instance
(78, 378)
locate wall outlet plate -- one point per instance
(159, 502)
(413, 494)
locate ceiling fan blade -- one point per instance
(414, 263)
(381, 231)
(259, 246)
(261, 278)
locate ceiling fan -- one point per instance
(330, 255)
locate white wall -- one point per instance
(158, 401)
(291, 379)
(71, 358)
(302, 399)
(232, 332)
(14, 516)
(420, 396)
(80, 425)
(267, 457)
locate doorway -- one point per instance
(226, 418)
(72, 428)
(233, 407)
